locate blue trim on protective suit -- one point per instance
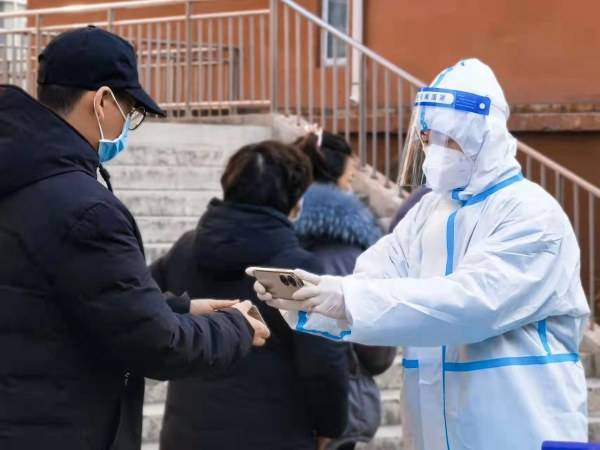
(473, 366)
(450, 243)
(455, 194)
(300, 326)
(511, 361)
(450, 268)
(444, 395)
(544, 336)
(410, 363)
(485, 194)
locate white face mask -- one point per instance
(446, 169)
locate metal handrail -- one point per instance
(375, 104)
(355, 44)
(95, 7)
(153, 20)
(586, 185)
(564, 172)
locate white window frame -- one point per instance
(325, 15)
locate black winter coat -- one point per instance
(283, 394)
(82, 320)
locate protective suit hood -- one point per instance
(484, 138)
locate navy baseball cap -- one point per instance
(89, 58)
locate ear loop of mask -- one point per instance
(98, 117)
(103, 172)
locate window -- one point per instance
(12, 5)
(13, 46)
(335, 13)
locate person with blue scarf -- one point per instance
(336, 227)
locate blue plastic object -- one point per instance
(450, 98)
(570, 446)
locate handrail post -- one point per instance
(592, 254)
(38, 44)
(362, 112)
(110, 18)
(188, 58)
(274, 55)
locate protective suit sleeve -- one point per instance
(386, 259)
(515, 276)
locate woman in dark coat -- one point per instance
(337, 227)
(294, 390)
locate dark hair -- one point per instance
(269, 174)
(330, 159)
(62, 99)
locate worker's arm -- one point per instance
(516, 276)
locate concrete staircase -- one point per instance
(171, 171)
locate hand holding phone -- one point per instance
(256, 321)
(280, 283)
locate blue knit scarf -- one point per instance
(331, 214)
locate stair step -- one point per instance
(152, 421)
(390, 406)
(387, 438)
(593, 388)
(594, 428)
(156, 391)
(150, 446)
(587, 360)
(172, 203)
(189, 144)
(164, 230)
(194, 155)
(155, 178)
(155, 251)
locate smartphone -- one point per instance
(280, 283)
(255, 314)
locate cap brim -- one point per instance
(143, 99)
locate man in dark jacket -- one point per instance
(293, 390)
(83, 322)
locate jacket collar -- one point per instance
(36, 143)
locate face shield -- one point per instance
(442, 118)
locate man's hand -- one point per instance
(261, 332)
(208, 306)
(322, 443)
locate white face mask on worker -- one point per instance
(446, 169)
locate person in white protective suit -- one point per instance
(480, 282)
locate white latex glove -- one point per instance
(320, 294)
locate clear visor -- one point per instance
(437, 115)
(418, 138)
